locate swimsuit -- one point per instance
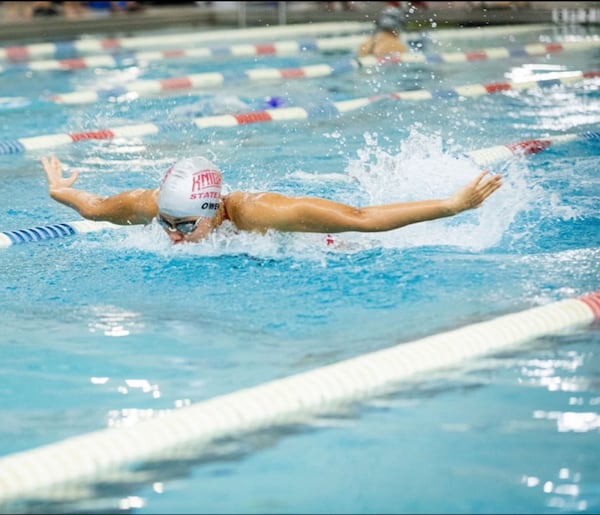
(225, 213)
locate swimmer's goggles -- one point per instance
(182, 227)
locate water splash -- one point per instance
(227, 240)
(423, 169)
(210, 105)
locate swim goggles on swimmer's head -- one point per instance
(182, 227)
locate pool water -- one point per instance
(109, 328)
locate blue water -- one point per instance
(106, 329)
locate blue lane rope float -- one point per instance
(50, 472)
(40, 233)
(329, 109)
(295, 47)
(482, 157)
(52, 231)
(11, 147)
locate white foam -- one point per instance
(420, 170)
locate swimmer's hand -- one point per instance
(126, 208)
(474, 194)
(54, 172)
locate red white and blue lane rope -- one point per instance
(60, 469)
(296, 47)
(487, 54)
(91, 46)
(289, 47)
(324, 110)
(142, 88)
(491, 155)
(482, 157)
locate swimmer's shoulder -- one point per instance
(148, 198)
(237, 204)
(239, 197)
(146, 202)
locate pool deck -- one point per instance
(218, 15)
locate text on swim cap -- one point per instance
(206, 179)
(205, 194)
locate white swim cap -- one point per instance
(191, 187)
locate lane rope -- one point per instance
(145, 88)
(91, 46)
(40, 473)
(491, 155)
(288, 47)
(482, 157)
(291, 47)
(52, 231)
(324, 110)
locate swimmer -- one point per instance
(189, 205)
(386, 38)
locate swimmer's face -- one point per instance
(182, 230)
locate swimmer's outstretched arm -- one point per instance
(264, 211)
(127, 208)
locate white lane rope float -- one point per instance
(144, 88)
(482, 157)
(40, 473)
(92, 46)
(324, 110)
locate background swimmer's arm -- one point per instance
(366, 48)
(127, 208)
